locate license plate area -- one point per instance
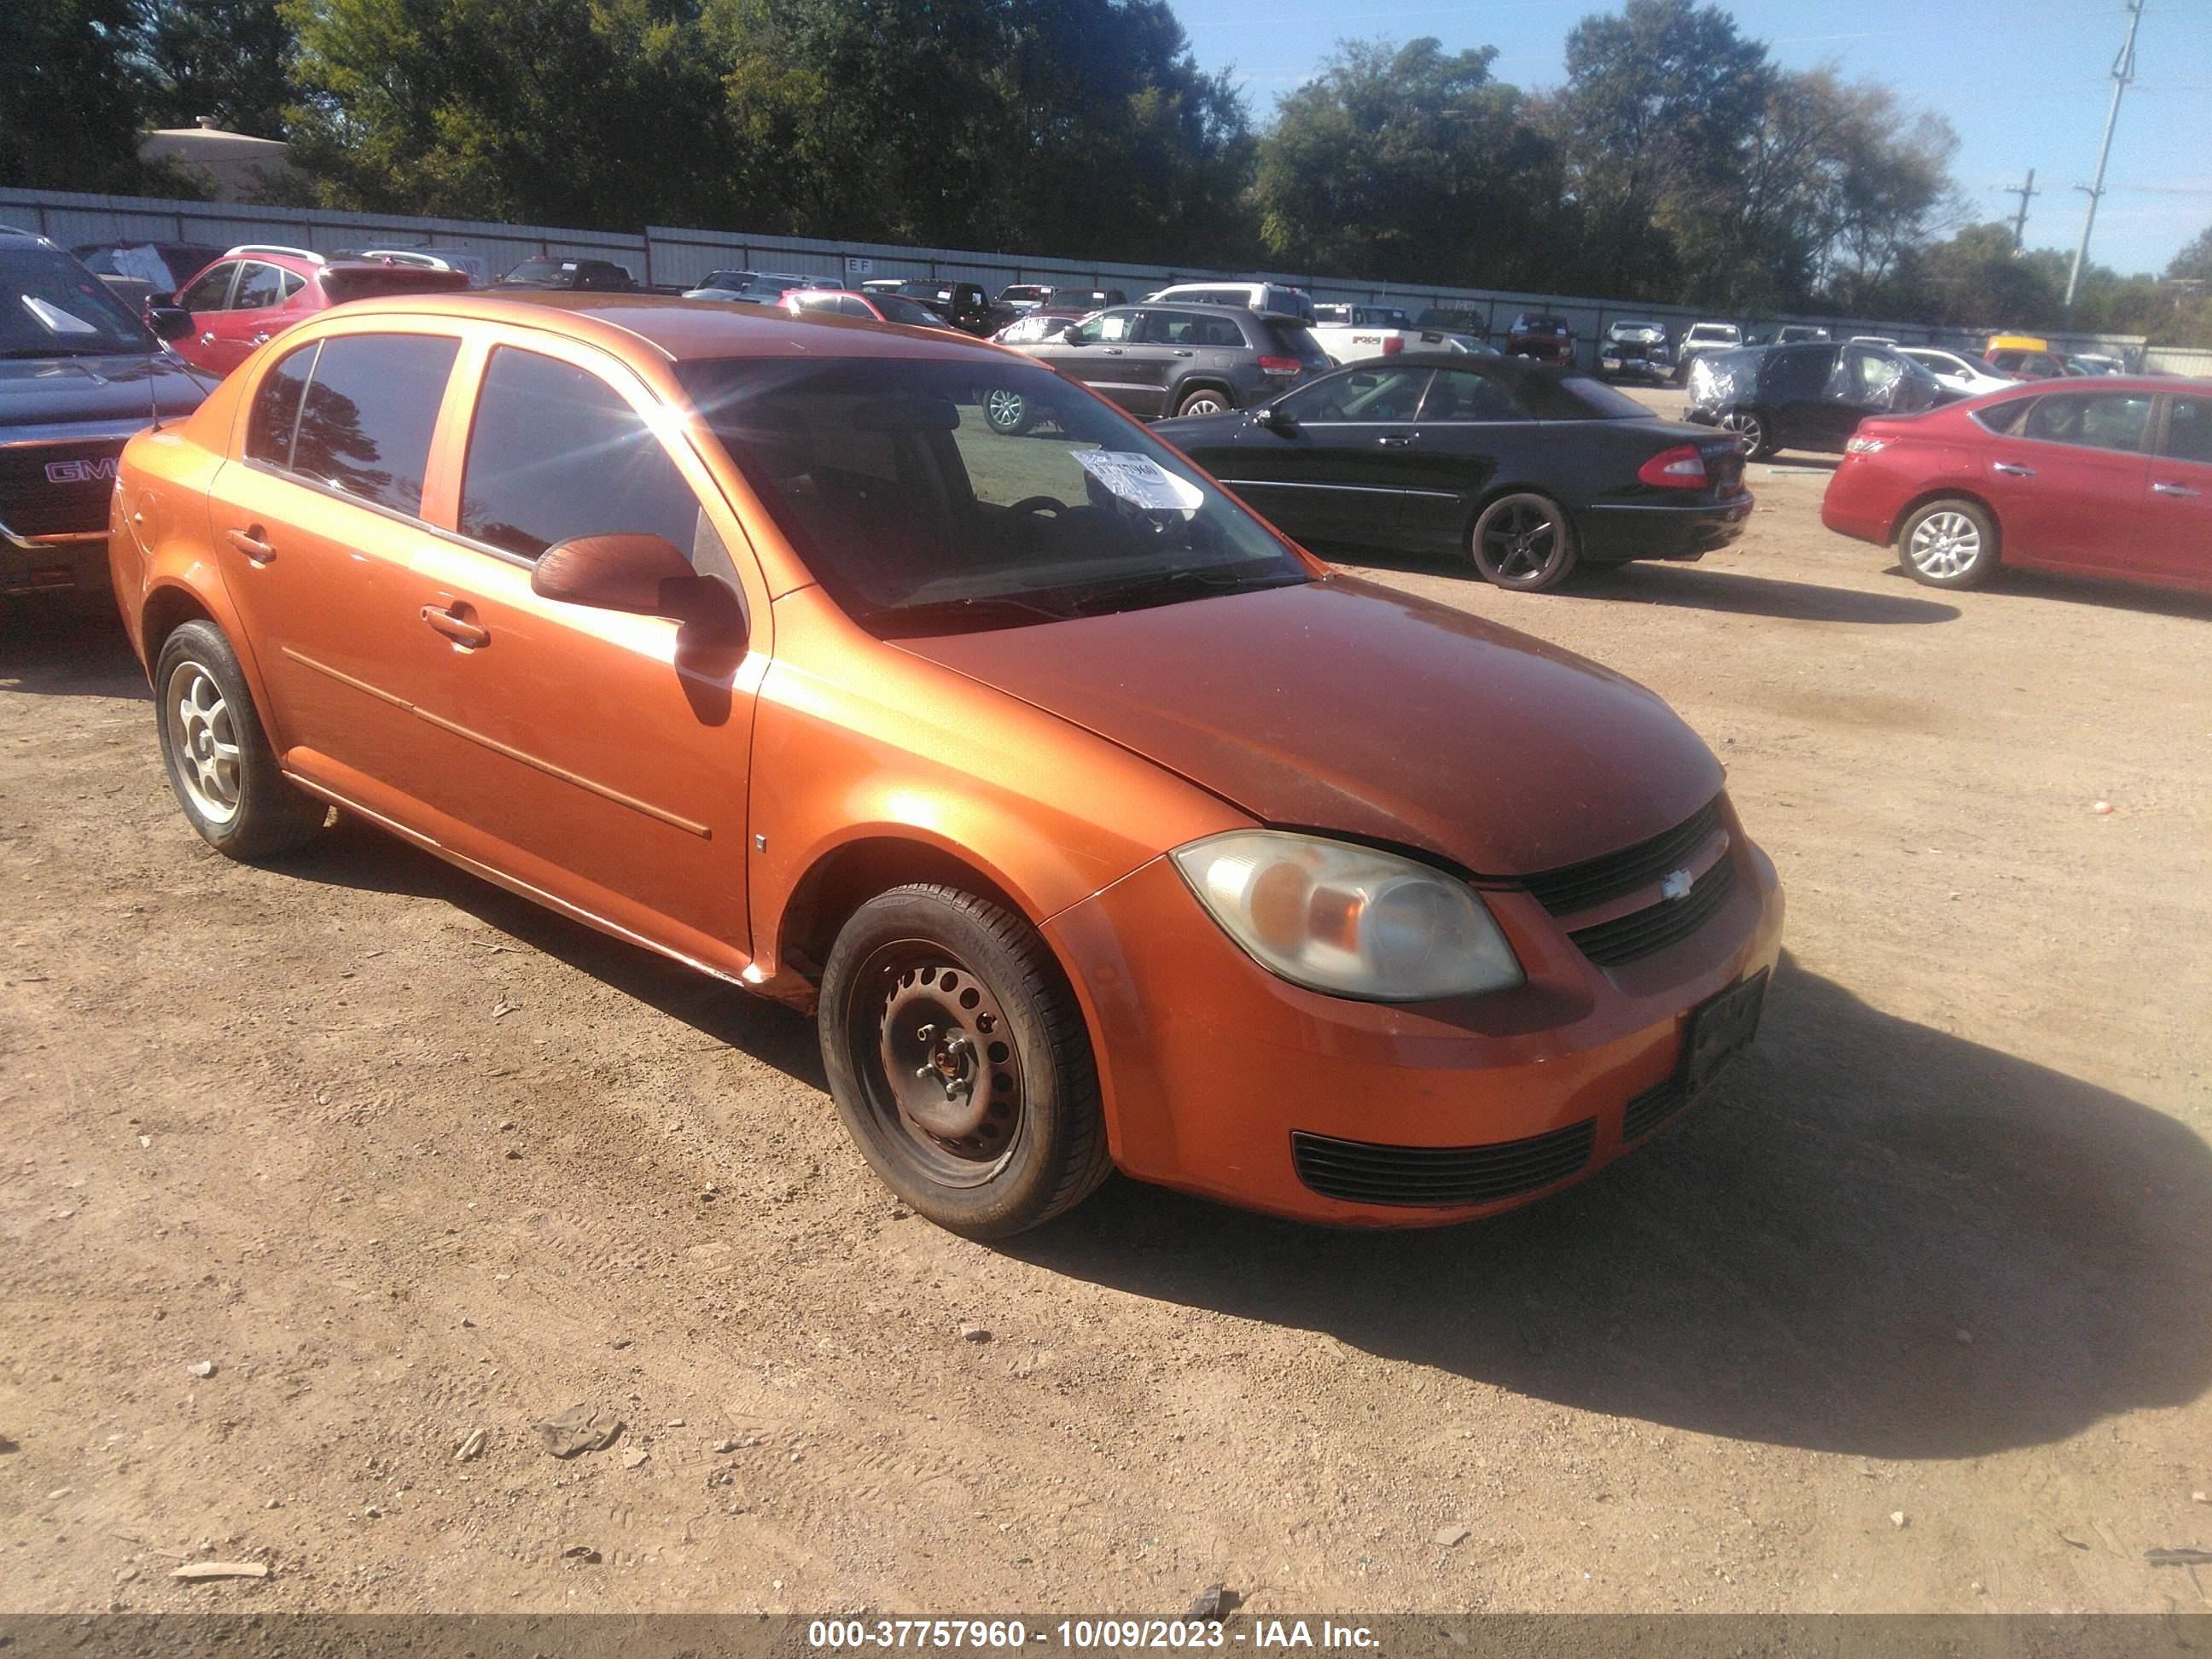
(1719, 1028)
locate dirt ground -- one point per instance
(1912, 1312)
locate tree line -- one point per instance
(1675, 162)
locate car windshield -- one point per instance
(898, 310)
(53, 306)
(919, 518)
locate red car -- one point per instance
(2109, 478)
(257, 291)
(878, 307)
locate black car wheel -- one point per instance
(960, 1062)
(1952, 542)
(1752, 432)
(1524, 541)
(1009, 413)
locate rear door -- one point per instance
(2174, 544)
(1802, 386)
(1097, 354)
(2070, 480)
(261, 306)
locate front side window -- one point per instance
(555, 452)
(885, 476)
(259, 287)
(2090, 420)
(1386, 395)
(2189, 430)
(898, 310)
(210, 292)
(368, 414)
(276, 412)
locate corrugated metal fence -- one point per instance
(670, 254)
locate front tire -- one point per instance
(1949, 542)
(960, 1062)
(220, 764)
(1524, 541)
(1753, 431)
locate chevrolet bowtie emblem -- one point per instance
(1675, 884)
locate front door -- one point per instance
(609, 751)
(207, 296)
(261, 306)
(2070, 482)
(2174, 543)
(1335, 465)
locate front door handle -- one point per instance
(249, 543)
(458, 629)
(262, 338)
(207, 338)
(1395, 439)
(1113, 351)
(2012, 468)
(1186, 354)
(2173, 489)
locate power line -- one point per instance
(2123, 70)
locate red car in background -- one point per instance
(256, 291)
(874, 307)
(2109, 478)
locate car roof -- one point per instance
(682, 330)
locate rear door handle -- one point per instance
(1395, 439)
(1185, 353)
(459, 629)
(207, 338)
(2173, 489)
(249, 543)
(262, 338)
(2012, 468)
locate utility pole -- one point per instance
(2123, 70)
(2020, 219)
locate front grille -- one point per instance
(1626, 938)
(32, 505)
(1653, 1108)
(1361, 1172)
(1597, 881)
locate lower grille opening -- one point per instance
(1363, 1172)
(1653, 1108)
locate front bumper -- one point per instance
(1210, 1066)
(1613, 532)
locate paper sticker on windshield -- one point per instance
(1139, 480)
(60, 321)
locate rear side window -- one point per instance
(556, 453)
(1793, 376)
(260, 286)
(1295, 339)
(1458, 395)
(1578, 398)
(276, 411)
(366, 420)
(2189, 430)
(2091, 420)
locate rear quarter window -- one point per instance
(1578, 398)
(276, 411)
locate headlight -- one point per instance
(1348, 920)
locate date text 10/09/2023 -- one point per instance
(981, 1635)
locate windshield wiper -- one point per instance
(984, 610)
(1164, 587)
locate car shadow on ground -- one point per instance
(1872, 1238)
(2085, 590)
(77, 649)
(1791, 460)
(1682, 585)
(354, 853)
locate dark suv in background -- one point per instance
(1158, 360)
(79, 373)
(1805, 397)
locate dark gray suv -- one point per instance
(1158, 359)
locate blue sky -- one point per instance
(2026, 85)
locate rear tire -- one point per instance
(1007, 412)
(1525, 542)
(1205, 401)
(1949, 542)
(960, 1062)
(1753, 430)
(221, 766)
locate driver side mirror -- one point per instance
(168, 322)
(643, 576)
(1277, 420)
(1073, 334)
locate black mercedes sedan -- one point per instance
(1527, 470)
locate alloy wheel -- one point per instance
(1520, 541)
(1007, 410)
(1204, 403)
(1750, 431)
(204, 740)
(1944, 544)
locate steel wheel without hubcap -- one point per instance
(938, 1067)
(1007, 410)
(204, 741)
(1750, 431)
(1945, 545)
(1524, 542)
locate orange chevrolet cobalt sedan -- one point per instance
(1101, 826)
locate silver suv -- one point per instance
(1159, 359)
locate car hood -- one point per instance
(1338, 705)
(42, 392)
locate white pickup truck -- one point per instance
(1352, 334)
